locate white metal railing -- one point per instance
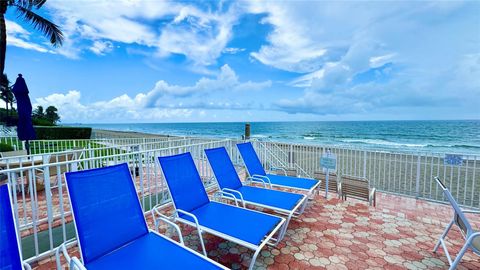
(43, 213)
(404, 173)
(49, 146)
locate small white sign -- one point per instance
(328, 161)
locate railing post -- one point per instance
(48, 196)
(417, 181)
(364, 163)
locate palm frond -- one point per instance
(28, 3)
(35, 3)
(48, 28)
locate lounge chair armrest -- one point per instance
(339, 189)
(73, 262)
(372, 197)
(226, 194)
(197, 225)
(228, 190)
(279, 169)
(264, 177)
(26, 266)
(472, 237)
(188, 214)
(167, 220)
(257, 179)
(76, 264)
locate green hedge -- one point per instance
(5, 147)
(62, 133)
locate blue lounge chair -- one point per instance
(472, 237)
(258, 174)
(10, 254)
(245, 227)
(111, 228)
(286, 203)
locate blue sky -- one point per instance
(158, 61)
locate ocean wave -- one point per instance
(309, 138)
(410, 145)
(458, 146)
(383, 142)
(260, 136)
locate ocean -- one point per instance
(431, 136)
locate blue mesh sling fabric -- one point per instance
(250, 158)
(227, 177)
(151, 252)
(106, 209)
(189, 195)
(270, 197)
(294, 182)
(247, 225)
(254, 166)
(9, 255)
(183, 181)
(223, 168)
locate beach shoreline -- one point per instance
(109, 133)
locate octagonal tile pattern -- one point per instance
(399, 233)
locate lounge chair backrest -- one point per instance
(250, 158)
(106, 209)
(223, 168)
(10, 257)
(184, 182)
(460, 217)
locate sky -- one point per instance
(135, 61)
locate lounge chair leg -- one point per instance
(254, 258)
(304, 205)
(444, 234)
(459, 256)
(57, 258)
(284, 229)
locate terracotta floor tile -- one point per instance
(399, 233)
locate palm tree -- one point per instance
(5, 92)
(26, 10)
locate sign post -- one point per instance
(328, 162)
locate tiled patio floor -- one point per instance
(399, 233)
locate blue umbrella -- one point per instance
(25, 130)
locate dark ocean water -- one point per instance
(431, 136)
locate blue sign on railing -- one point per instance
(453, 160)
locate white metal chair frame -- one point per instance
(269, 239)
(299, 208)
(461, 221)
(265, 180)
(75, 263)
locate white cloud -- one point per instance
(233, 50)
(201, 35)
(19, 37)
(340, 48)
(226, 80)
(119, 109)
(164, 101)
(101, 47)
